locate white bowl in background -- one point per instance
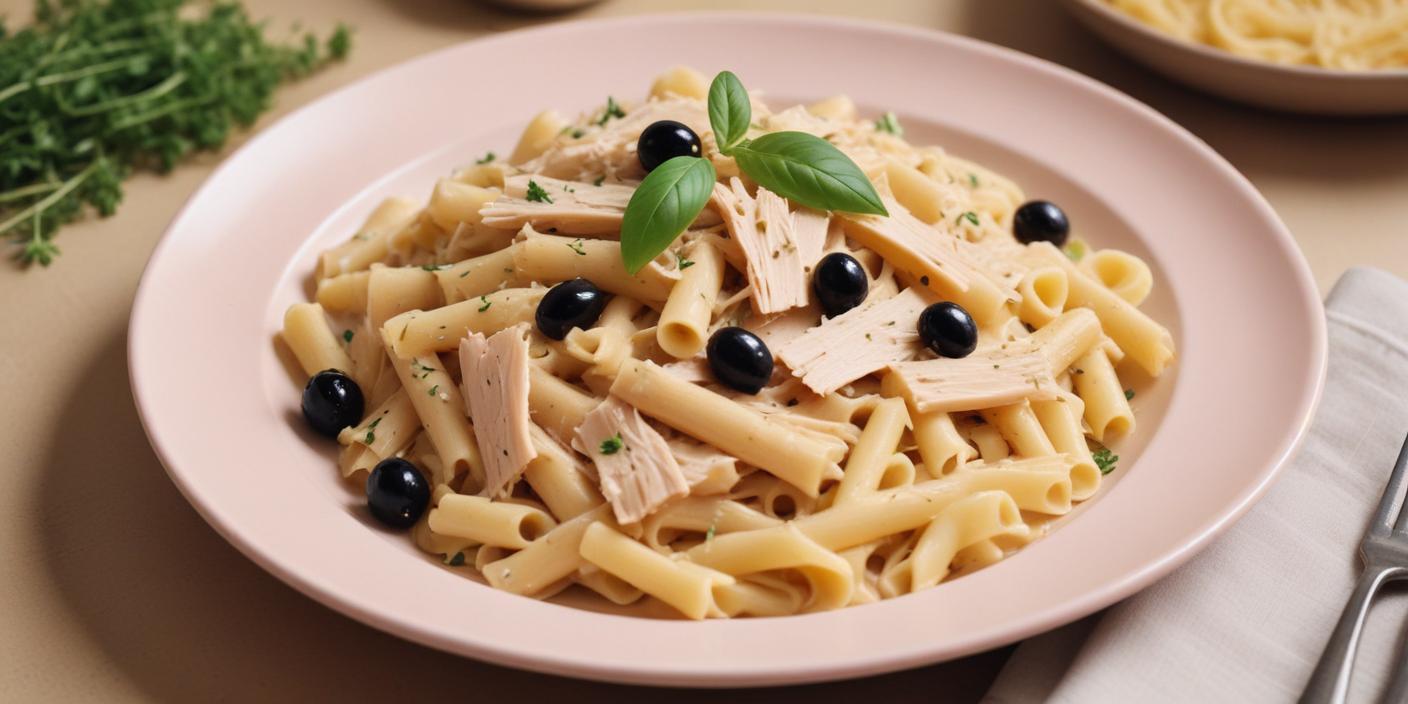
(1305, 89)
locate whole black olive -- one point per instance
(1041, 221)
(948, 330)
(570, 304)
(665, 140)
(840, 283)
(739, 359)
(397, 493)
(332, 401)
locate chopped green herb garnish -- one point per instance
(1075, 249)
(347, 336)
(434, 267)
(612, 110)
(598, 180)
(568, 188)
(972, 179)
(488, 157)
(536, 193)
(969, 215)
(371, 437)
(432, 390)
(456, 560)
(612, 445)
(465, 273)
(889, 123)
(577, 133)
(96, 90)
(577, 247)
(684, 263)
(1129, 394)
(709, 535)
(1105, 460)
(484, 303)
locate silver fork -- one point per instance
(1384, 551)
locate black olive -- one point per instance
(840, 283)
(570, 304)
(1041, 221)
(665, 140)
(331, 402)
(397, 493)
(948, 330)
(739, 359)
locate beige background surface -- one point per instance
(113, 589)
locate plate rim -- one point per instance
(1154, 566)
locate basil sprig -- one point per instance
(808, 170)
(796, 165)
(664, 204)
(729, 110)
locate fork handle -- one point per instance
(1329, 684)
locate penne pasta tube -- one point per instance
(307, 333)
(549, 259)
(684, 323)
(1033, 485)
(424, 332)
(1145, 341)
(549, 558)
(866, 464)
(495, 523)
(688, 587)
(739, 431)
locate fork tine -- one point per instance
(1384, 515)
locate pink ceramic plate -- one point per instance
(1230, 283)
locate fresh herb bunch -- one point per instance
(799, 166)
(97, 88)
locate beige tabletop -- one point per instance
(113, 589)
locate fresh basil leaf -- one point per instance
(810, 171)
(664, 204)
(729, 110)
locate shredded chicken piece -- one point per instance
(767, 233)
(705, 469)
(495, 374)
(572, 207)
(946, 264)
(608, 150)
(858, 342)
(988, 378)
(637, 471)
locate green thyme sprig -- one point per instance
(96, 89)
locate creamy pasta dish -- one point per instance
(740, 360)
(1336, 34)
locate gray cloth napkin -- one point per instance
(1246, 620)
